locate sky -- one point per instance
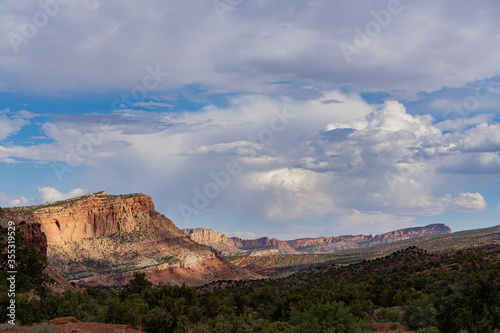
(278, 118)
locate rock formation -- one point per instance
(101, 239)
(237, 246)
(212, 238)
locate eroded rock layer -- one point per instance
(102, 239)
(265, 245)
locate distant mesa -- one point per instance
(236, 246)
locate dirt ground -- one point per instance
(72, 325)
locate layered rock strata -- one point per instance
(101, 239)
(237, 246)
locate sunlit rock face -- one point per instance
(103, 239)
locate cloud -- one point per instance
(374, 223)
(441, 104)
(45, 194)
(49, 194)
(244, 234)
(17, 200)
(260, 47)
(482, 138)
(298, 159)
(461, 123)
(153, 105)
(469, 203)
(473, 164)
(295, 193)
(10, 126)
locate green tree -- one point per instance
(331, 317)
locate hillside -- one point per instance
(410, 290)
(101, 239)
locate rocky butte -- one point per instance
(265, 245)
(102, 239)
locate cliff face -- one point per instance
(332, 244)
(32, 232)
(216, 239)
(104, 239)
(94, 215)
(310, 245)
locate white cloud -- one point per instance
(45, 194)
(469, 203)
(295, 193)
(374, 223)
(461, 123)
(334, 159)
(391, 117)
(153, 105)
(49, 194)
(243, 234)
(475, 163)
(10, 126)
(19, 201)
(441, 104)
(482, 138)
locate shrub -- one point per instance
(420, 314)
(389, 315)
(430, 329)
(330, 317)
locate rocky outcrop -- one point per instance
(34, 235)
(227, 245)
(212, 238)
(263, 243)
(103, 239)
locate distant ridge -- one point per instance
(267, 246)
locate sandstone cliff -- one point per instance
(103, 239)
(212, 238)
(237, 246)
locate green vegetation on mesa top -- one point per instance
(68, 202)
(453, 241)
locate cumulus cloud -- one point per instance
(377, 162)
(45, 194)
(469, 203)
(298, 159)
(482, 138)
(49, 194)
(16, 200)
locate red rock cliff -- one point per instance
(311, 245)
(102, 239)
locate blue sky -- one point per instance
(276, 118)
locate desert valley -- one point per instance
(101, 243)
